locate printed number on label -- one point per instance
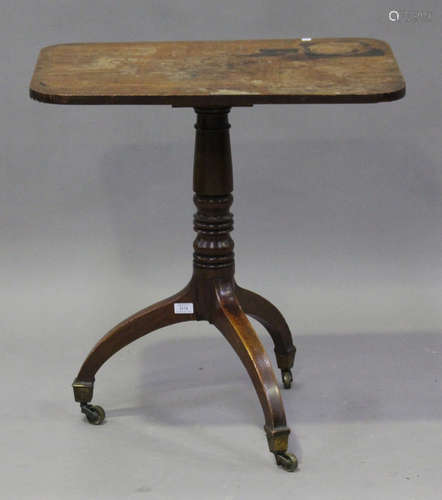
(183, 308)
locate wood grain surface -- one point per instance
(218, 73)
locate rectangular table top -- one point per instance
(225, 73)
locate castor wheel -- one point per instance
(94, 413)
(287, 461)
(287, 378)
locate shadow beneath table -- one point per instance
(338, 378)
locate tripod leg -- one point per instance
(147, 320)
(231, 320)
(270, 317)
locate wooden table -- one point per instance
(211, 77)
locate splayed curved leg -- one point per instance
(270, 317)
(147, 320)
(231, 320)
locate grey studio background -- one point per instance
(337, 221)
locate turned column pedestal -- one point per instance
(212, 294)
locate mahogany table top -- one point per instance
(219, 73)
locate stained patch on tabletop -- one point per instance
(273, 52)
(360, 48)
(320, 50)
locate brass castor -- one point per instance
(287, 378)
(94, 413)
(287, 461)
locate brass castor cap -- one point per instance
(287, 378)
(287, 461)
(94, 413)
(83, 391)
